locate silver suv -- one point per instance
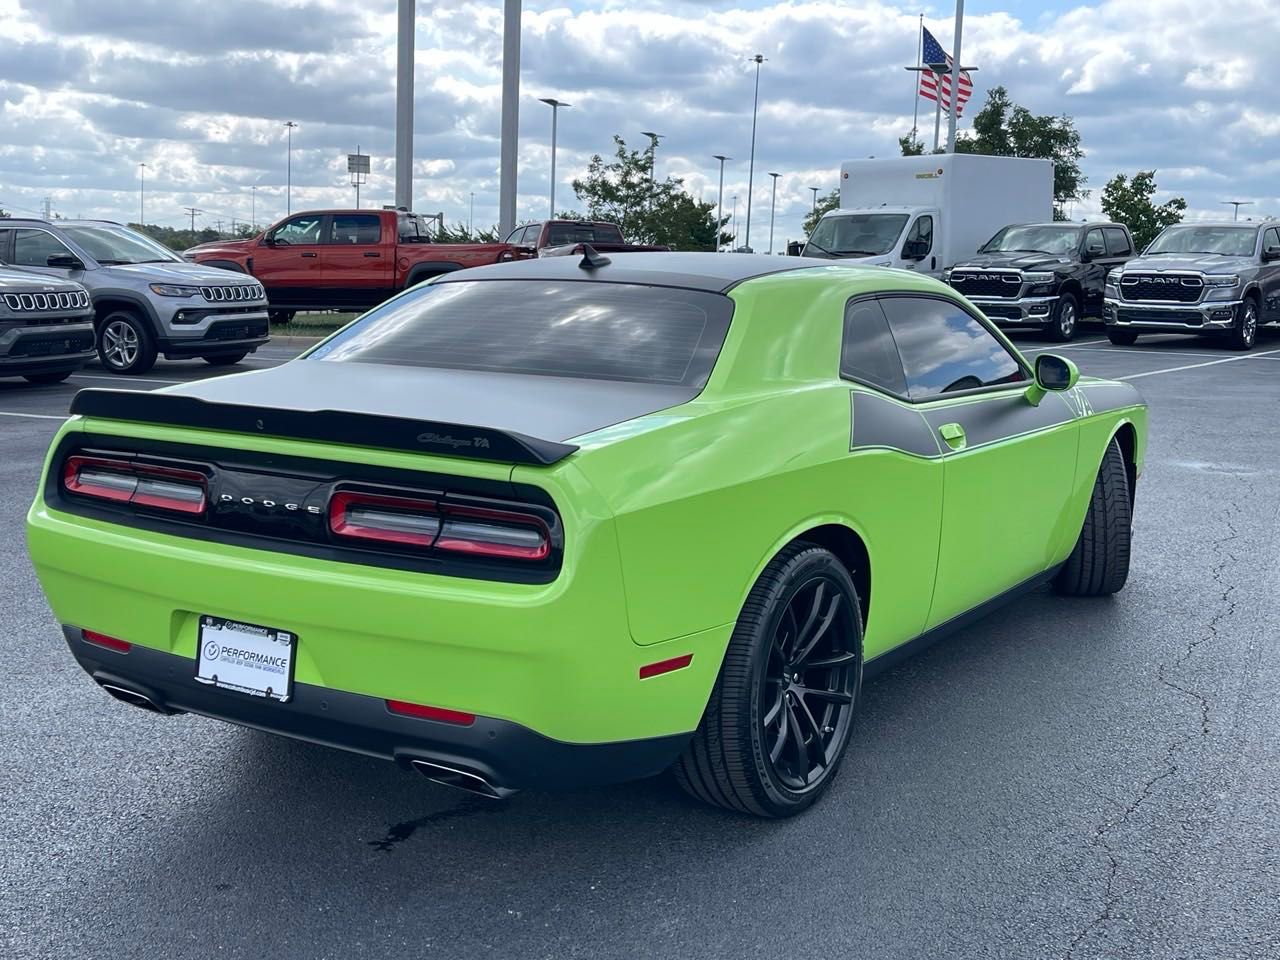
(46, 327)
(147, 300)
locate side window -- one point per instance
(1117, 242)
(944, 349)
(516, 237)
(919, 240)
(1093, 240)
(303, 229)
(356, 228)
(867, 352)
(33, 248)
(1271, 238)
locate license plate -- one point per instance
(246, 658)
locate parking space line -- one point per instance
(34, 416)
(1193, 366)
(94, 376)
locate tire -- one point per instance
(741, 759)
(53, 376)
(1245, 333)
(280, 316)
(1066, 318)
(1099, 564)
(1123, 338)
(125, 345)
(226, 359)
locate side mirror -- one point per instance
(1094, 250)
(1271, 252)
(1053, 374)
(915, 250)
(793, 248)
(65, 260)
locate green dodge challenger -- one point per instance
(574, 521)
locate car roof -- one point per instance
(1253, 224)
(716, 272)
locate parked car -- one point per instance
(147, 300)
(46, 327)
(543, 237)
(577, 521)
(1219, 280)
(1048, 276)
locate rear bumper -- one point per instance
(1209, 317)
(504, 755)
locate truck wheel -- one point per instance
(53, 376)
(1245, 332)
(1099, 564)
(280, 316)
(125, 345)
(1122, 338)
(779, 718)
(1065, 317)
(226, 359)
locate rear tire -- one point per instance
(54, 376)
(125, 345)
(1122, 338)
(1245, 333)
(280, 316)
(780, 715)
(1066, 317)
(226, 359)
(1099, 564)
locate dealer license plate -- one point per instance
(246, 658)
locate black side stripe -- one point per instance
(1101, 397)
(880, 422)
(1000, 417)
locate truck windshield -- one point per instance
(562, 233)
(578, 329)
(1189, 238)
(110, 244)
(858, 234)
(1034, 238)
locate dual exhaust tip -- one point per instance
(134, 698)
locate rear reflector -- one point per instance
(424, 712)
(102, 640)
(665, 666)
(140, 484)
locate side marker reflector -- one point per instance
(102, 640)
(423, 712)
(665, 666)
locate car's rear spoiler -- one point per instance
(328, 426)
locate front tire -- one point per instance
(53, 376)
(1099, 564)
(277, 317)
(1122, 338)
(226, 359)
(781, 712)
(125, 345)
(1245, 333)
(1066, 317)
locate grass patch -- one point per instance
(313, 324)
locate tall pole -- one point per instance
(758, 59)
(555, 106)
(253, 206)
(955, 78)
(471, 218)
(773, 202)
(288, 189)
(937, 111)
(510, 117)
(720, 200)
(915, 81)
(815, 199)
(142, 194)
(405, 45)
(735, 221)
(653, 159)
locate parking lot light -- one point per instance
(555, 106)
(720, 200)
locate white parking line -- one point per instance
(34, 416)
(1193, 366)
(121, 380)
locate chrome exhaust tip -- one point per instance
(460, 779)
(133, 698)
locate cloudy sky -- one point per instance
(88, 89)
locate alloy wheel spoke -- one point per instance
(827, 696)
(818, 633)
(775, 751)
(835, 660)
(774, 710)
(797, 737)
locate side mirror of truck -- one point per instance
(1094, 250)
(915, 250)
(793, 248)
(1271, 252)
(65, 260)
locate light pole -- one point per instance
(653, 158)
(720, 199)
(142, 194)
(735, 222)
(405, 40)
(555, 106)
(253, 206)
(288, 189)
(471, 218)
(758, 59)
(510, 117)
(773, 201)
(1236, 205)
(955, 79)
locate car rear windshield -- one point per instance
(579, 329)
(561, 233)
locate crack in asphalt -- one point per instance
(398, 833)
(1224, 558)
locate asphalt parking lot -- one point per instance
(1067, 779)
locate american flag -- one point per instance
(932, 55)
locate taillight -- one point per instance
(140, 484)
(454, 528)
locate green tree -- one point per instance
(621, 191)
(461, 234)
(911, 146)
(825, 205)
(1002, 128)
(1128, 201)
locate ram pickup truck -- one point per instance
(543, 237)
(1046, 276)
(1219, 280)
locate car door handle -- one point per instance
(372, 253)
(953, 435)
(308, 254)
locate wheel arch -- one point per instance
(108, 302)
(1073, 286)
(425, 271)
(841, 538)
(224, 265)
(1126, 435)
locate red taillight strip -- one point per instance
(665, 666)
(423, 712)
(481, 547)
(340, 521)
(102, 640)
(74, 480)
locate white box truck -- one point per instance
(926, 213)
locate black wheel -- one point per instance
(779, 718)
(1066, 315)
(53, 376)
(280, 316)
(226, 359)
(125, 345)
(1099, 564)
(1245, 332)
(1122, 338)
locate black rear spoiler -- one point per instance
(328, 426)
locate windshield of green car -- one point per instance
(110, 244)
(1226, 241)
(1034, 238)
(858, 234)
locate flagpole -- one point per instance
(915, 81)
(937, 112)
(955, 79)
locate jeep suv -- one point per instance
(1214, 279)
(1046, 276)
(147, 300)
(46, 327)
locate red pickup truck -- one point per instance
(354, 259)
